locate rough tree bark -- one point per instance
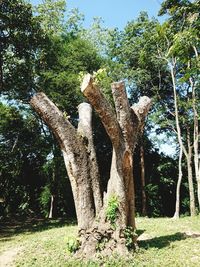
(98, 230)
(142, 173)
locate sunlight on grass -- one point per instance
(162, 242)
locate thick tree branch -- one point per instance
(85, 130)
(54, 118)
(123, 112)
(140, 111)
(103, 108)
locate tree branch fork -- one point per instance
(122, 123)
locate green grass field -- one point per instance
(162, 242)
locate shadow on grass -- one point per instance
(162, 241)
(140, 231)
(31, 225)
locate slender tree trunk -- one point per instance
(191, 186)
(179, 135)
(178, 129)
(190, 175)
(122, 126)
(142, 166)
(196, 140)
(54, 182)
(178, 186)
(51, 211)
(54, 194)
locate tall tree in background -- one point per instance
(180, 33)
(162, 62)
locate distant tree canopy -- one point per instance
(21, 39)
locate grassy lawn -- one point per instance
(163, 242)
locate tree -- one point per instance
(180, 33)
(111, 215)
(161, 61)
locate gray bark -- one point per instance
(75, 157)
(85, 130)
(178, 186)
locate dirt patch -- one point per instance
(192, 234)
(7, 257)
(144, 237)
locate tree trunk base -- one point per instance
(176, 216)
(104, 241)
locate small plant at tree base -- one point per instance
(101, 244)
(111, 210)
(130, 237)
(73, 245)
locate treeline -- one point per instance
(46, 48)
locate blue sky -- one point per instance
(115, 13)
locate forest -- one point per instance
(67, 90)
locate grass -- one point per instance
(163, 242)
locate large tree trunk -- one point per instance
(101, 220)
(76, 156)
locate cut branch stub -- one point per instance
(123, 112)
(140, 110)
(103, 108)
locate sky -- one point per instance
(115, 13)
